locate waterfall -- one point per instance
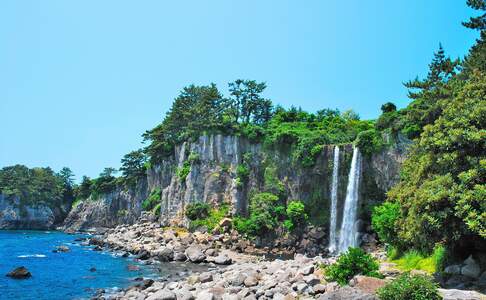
(348, 233)
(334, 200)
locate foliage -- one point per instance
(369, 141)
(354, 262)
(212, 220)
(37, 185)
(152, 200)
(83, 191)
(296, 212)
(262, 215)
(105, 183)
(442, 190)
(413, 260)
(410, 287)
(183, 171)
(133, 167)
(383, 221)
(198, 210)
(307, 133)
(156, 209)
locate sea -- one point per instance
(63, 275)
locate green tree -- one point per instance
(133, 166)
(442, 192)
(476, 59)
(248, 105)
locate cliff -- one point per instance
(16, 215)
(212, 162)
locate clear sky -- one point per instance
(80, 81)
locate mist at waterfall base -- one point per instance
(60, 275)
(348, 235)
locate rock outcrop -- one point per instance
(212, 178)
(16, 215)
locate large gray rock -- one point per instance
(471, 268)
(453, 269)
(222, 260)
(461, 295)
(347, 293)
(195, 254)
(162, 295)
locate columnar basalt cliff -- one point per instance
(212, 178)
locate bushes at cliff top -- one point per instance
(351, 263)
(410, 287)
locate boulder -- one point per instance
(307, 270)
(179, 256)
(62, 249)
(19, 273)
(461, 294)
(347, 293)
(251, 281)
(205, 277)
(471, 268)
(195, 254)
(162, 295)
(366, 284)
(222, 260)
(164, 254)
(453, 269)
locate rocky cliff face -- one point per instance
(15, 215)
(122, 206)
(213, 178)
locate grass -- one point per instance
(413, 260)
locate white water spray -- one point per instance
(334, 191)
(348, 233)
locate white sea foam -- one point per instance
(31, 255)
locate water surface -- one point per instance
(60, 275)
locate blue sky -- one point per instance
(80, 81)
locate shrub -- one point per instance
(152, 200)
(289, 225)
(242, 172)
(193, 158)
(183, 171)
(354, 262)
(156, 210)
(410, 287)
(262, 215)
(383, 221)
(212, 220)
(369, 141)
(198, 210)
(296, 212)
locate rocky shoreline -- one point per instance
(233, 269)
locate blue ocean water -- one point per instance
(60, 275)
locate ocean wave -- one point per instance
(31, 255)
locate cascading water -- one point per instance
(334, 190)
(348, 233)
